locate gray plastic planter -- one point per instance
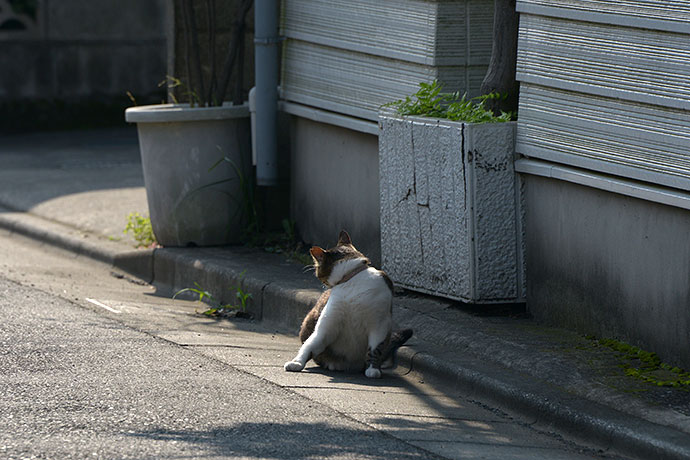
(450, 208)
(191, 204)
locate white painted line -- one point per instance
(102, 305)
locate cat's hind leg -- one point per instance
(378, 340)
(323, 335)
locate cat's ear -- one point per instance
(344, 238)
(317, 253)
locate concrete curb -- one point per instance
(581, 418)
(137, 262)
(281, 295)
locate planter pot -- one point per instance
(450, 208)
(191, 203)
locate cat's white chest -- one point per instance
(355, 309)
(366, 295)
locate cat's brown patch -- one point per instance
(309, 323)
(327, 358)
(326, 259)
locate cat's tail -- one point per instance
(397, 340)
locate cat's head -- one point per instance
(325, 260)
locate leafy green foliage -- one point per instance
(217, 307)
(430, 101)
(141, 229)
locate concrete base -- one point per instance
(335, 185)
(609, 265)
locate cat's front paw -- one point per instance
(293, 366)
(373, 373)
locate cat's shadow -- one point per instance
(389, 378)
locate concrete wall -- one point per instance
(76, 49)
(604, 125)
(335, 185)
(610, 265)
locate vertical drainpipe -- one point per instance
(266, 42)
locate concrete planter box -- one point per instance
(450, 208)
(191, 204)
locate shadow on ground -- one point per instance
(298, 440)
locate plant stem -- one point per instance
(187, 46)
(239, 83)
(211, 19)
(198, 88)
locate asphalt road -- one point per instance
(94, 365)
(77, 384)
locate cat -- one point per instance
(350, 326)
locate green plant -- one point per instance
(243, 297)
(171, 83)
(247, 202)
(254, 235)
(645, 365)
(286, 243)
(430, 101)
(141, 229)
(25, 7)
(217, 307)
(246, 208)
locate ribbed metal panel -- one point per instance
(636, 64)
(603, 90)
(424, 32)
(358, 84)
(667, 10)
(625, 138)
(352, 57)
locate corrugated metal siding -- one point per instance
(607, 97)
(358, 84)
(635, 64)
(668, 10)
(352, 57)
(614, 136)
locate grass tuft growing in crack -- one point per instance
(218, 308)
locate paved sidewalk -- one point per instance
(75, 190)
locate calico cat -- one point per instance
(349, 328)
